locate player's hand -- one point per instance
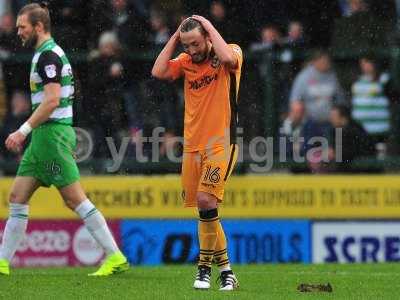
(204, 22)
(176, 35)
(15, 141)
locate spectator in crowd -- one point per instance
(5, 7)
(160, 31)
(293, 130)
(295, 38)
(290, 63)
(385, 10)
(142, 7)
(131, 27)
(360, 30)
(271, 38)
(107, 84)
(357, 6)
(8, 40)
(19, 113)
(222, 22)
(161, 97)
(10, 48)
(371, 98)
(69, 23)
(349, 138)
(283, 67)
(100, 18)
(316, 88)
(347, 141)
(161, 110)
(345, 7)
(318, 18)
(254, 15)
(299, 134)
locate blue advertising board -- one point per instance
(153, 242)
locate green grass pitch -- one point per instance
(369, 281)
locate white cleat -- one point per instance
(201, 285)
(228, 281)
(203, 277)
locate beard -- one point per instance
(200, 57)
(31, 41)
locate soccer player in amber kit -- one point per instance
(211, 69)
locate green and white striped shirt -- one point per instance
(50, 64)
(371, 105)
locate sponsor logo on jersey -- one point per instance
(202, 82)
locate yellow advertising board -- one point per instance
(318, 197)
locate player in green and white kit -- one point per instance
(48, 160)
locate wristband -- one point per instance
(25, 129)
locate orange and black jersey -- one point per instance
(211, 94)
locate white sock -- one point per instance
(14, 231)
(97, 226)
(225, 268)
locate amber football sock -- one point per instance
(207, 229)
(221, 254)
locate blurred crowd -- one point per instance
(109, 42)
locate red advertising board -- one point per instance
(59, 243)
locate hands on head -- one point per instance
(203, 21)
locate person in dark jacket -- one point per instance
(108, 81)
(350, 140)
(18, 114)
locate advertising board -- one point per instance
(249, 241)
(355, 242)
(59, 243)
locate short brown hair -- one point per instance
(189, 24)
(37, 13)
